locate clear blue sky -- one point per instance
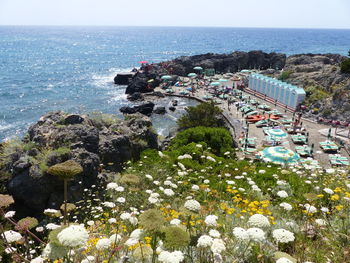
(230, 13)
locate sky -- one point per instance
(216, 13)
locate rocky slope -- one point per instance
(96, 142)
(326, 87)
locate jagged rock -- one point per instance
(90, 145)
(123, 78)
(135, 96)
(73, 119)
(160, 110)
(146, 109)
(172, 108)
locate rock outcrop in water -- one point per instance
(57, 137)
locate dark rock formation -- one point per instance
(160, 110)
(123, 78)
(146, 109)
(84, 140)
(137, 96)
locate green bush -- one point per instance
(219, 139)
(345, 66)
(101, 120)
(315, 94)
(205, 114)
(285, 75)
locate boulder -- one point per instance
(137, 96)
(146, 109)
(123, 78)
(160, 110)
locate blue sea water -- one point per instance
(72, 68)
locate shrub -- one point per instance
(345, 66)
(205, 114)
(285, 75)
(218, 139)
(103, 120)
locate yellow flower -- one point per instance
(320, 195)
(339, 207)
(338, 190)
(335, 197)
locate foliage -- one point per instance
(101, 120)
(218, 139)
(66, 170)
(345, 66)
(285, 75)
(205, 114)
(315, 94)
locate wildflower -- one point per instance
(286, 206)
(112, 220)
(152, 220)
(282, 194)
(192, 205)
(176, 237)
(310, 208)
(142, 253)
(125, 216)
(121, 200)
(39, 229)
(54, 251)
(120, 189)
(148, 176)
(256, 234)
(185, 156)
(320, 222)
(6, 200)
(335, 197)
(108, 204)
(262, 171)
(111, 186)
(283, 260)
(52, 226)
(10, 214)
(240, 233)
(214, 233)
(258, 220)
(195, 187)
(115, 238)
(210, 220)
(12, 236)
(204, 241)
(324, 209)
(37, 260)
(328, 191)
(209, 158)
(217, 246)
(73, 236)
(283, 236)
(103, 243)
(175, 222)
(171, 257)
(168, 192)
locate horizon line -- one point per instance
(174, 26)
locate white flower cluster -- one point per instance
(12, 236)
(258, 220)
(171, 257)
(286, 206)
(73, 236)
(283, 236)
(185, 156)
(210, 220)
(103, 243)
(204, 241)
(282, 194)
(240, 233)
(192, 205)
(283, 260)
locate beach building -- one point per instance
(285, 93)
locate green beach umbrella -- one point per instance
(279, 155)
(198, 68)
(192, 75)
(166, 77)
(223, 80)
(215, 84)
(276, 133)
(151, 80)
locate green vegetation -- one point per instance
(285, 75)
(103, 120)
(345, 66)
(218, 139)
(315, 94)
(205, 114)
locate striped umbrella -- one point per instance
(276, 133)
(279, 155)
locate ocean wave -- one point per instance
(102, 81)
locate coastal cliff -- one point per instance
(97, 142)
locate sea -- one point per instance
(48, 68)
